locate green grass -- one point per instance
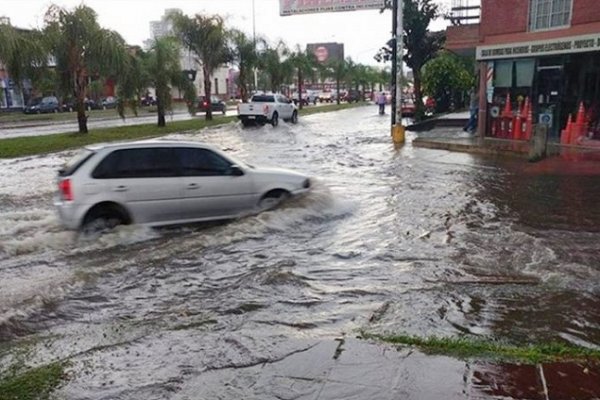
(32, 384)
(469, 348)
(32, 145)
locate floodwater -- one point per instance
(411, 241)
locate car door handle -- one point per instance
(121, 188)
(193, 186)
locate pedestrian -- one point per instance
(471, 125)
(381, 100)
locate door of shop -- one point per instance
(548, 94)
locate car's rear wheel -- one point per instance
(275, 119)
(273, 199)
(102, 219)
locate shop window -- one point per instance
(548, 14)
(504, 74)
(525, 70)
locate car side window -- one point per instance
(137, 163)
(201, 162)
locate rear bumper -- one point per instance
(69, 214)
(260, 118)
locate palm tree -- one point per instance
(81, 49)
(207, 38)
(23, 55)
(245, 55)
(305, 63)
(163, 72)
(276, 63)
(338, 69)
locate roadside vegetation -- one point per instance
(38, 383)
(473, 348)
(32, 145)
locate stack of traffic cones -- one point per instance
(565, 134)
(506, 119)
(580, 128)
(517, 131)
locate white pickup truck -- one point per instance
(267, 108)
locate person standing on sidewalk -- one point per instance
(471, 126)
(381, 100)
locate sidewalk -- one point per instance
(363, 370)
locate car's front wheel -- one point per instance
(294, 119)
(273, 199)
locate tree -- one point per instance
(163, 71)
(445, 77)
(24, 55)
(81, 49)
(207, 38)
(421, 45)
(276, 63)
(304, 62)
(246, 56)
(338, 69)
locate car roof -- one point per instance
(149, 143)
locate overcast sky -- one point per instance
(362, 32)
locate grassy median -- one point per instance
(31, 145)
(32, 384)
(475, 348)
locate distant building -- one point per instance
(221, 84)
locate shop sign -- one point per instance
(291, 7)
(565, 45)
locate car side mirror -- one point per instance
(235, 170)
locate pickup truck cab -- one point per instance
(267, 108)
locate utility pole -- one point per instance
(397, 55)
(254, 40)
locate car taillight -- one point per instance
(205, 104)
(265, 110)
(64, 186)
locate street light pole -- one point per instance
(397, 53)
(254, 40)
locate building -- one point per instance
(542, 52)
(220, 80)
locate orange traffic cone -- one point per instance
(580, 125)
(506, 118)
(529, 123)
(565, 136)
(517, 133)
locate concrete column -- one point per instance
(483, 106)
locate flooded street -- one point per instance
(414, 241)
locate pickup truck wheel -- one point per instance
(295, 117)
(275, 119)
(246, 123)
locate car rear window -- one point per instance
(263, 99)
(77, 161)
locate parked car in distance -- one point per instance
(158, 182)
(295, 98)
(352, 96)
(408, 108)
(148, 101)
(40, 105)
(216, 104)
(109, 102)
(267, 108)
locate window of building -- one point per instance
(548, 14)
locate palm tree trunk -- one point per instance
(337, 87)
(207, 90)
(160, 107)
(418, 96)
(300, 85)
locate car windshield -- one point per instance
(34, 102)
(263, 99)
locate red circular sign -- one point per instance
(321, 53)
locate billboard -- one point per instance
(291, 7)
(326, 52)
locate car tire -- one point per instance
(294, 119)
(273, 199)
(101, 220)
(275, 119)
(224, 111)
(246, 123)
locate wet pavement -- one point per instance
(415, 241)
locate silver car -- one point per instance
(161, 182)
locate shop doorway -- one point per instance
(549, 95)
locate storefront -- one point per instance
(547, 82)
